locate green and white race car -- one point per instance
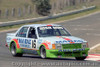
(48, 41)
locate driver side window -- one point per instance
(32, 33)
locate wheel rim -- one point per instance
(43, 53)
(13, 50)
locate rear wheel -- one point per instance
(80, 58)
(43, 52)
(13, 51)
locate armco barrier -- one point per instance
(10, 23)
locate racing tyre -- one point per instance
(80, 58)
(43, 52)
(13, 51)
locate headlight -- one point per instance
(85, 45)
(56, 46)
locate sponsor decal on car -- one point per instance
(24, 41)
(69, 50)
(69, 41)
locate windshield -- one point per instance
(47, 31)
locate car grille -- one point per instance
(71, 46)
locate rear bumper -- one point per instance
(67, 53)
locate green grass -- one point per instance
(54, 20)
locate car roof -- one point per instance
(39, 25)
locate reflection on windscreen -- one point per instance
(47, 31)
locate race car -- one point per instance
(46, 40)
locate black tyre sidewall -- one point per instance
(41, 52)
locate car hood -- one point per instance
(62, 39)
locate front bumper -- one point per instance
(67, 53)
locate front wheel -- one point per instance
(13, 51)
(80, 58)
(43, 52)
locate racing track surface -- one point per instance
(86, 28)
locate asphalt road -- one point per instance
(86, 28)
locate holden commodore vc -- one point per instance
(48, 41)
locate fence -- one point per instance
(16, 12)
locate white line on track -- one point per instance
(94, 46)
(93, 57)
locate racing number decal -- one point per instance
(33, 43)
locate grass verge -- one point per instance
(54, 20)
